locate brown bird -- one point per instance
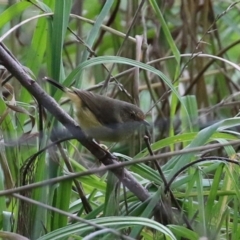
(103, 118)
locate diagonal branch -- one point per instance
(17, 70)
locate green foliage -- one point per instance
(192, 100)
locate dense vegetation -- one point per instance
(178, 61)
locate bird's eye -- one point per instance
(133, 115)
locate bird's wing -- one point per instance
(103, 110)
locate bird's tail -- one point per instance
(55, 83)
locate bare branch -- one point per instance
(15, 68)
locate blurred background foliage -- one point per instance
(177, 60)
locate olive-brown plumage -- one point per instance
(101, 117)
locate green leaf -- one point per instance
(59, 27)
(13, 11)
(96, 28)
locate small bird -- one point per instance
(103, 118)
